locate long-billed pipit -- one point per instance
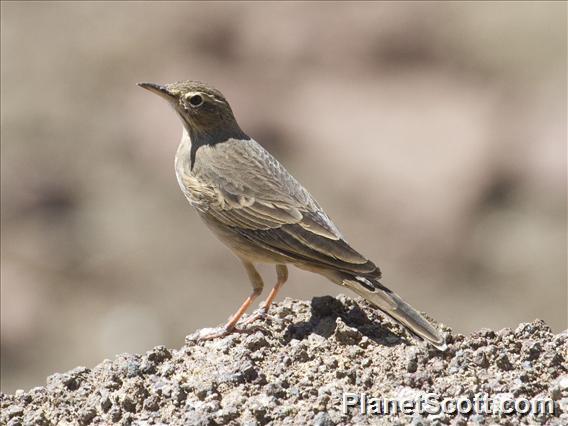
(262, 213)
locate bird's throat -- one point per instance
(202, 136)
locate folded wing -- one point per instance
(260, 200)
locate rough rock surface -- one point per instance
(294, 367)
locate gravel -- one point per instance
(294, 367)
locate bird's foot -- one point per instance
(259, 314)
(206, 334)
(216, 333)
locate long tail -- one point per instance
(392, 305)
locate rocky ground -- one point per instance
(295, 370)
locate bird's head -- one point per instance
(203, 110)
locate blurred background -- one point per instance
(434, 134)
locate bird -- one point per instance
(260, 211)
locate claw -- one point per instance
(259, 314)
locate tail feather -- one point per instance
(392, 305)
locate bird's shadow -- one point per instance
(323, 321)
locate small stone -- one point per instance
(323, 419)
(225, 344)
(559, 388)
(345, 334)
(274, 389)
(152, 403)
(560, 340)
(113, 382)
(524, 329)
(505, 332)
(531, 350)
(331, 362)
(226, 414)
(411, 363)
(316, 339)
(201, 417)
(480, 358)
(128, 404)
(297, 354)
(115, 414)
(62, 380)
(25, 398)
(106, 403)
(487, 333)
(203, 389)
(147, 367)
(15, 411)
(255, 341)
(503, 362)
(438, 366)
(129, 365)
(36, 418)
(87, 415)
(554, 360)
(159, 354)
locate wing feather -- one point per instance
(263, 203)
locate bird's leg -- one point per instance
(282, 277)
(257, 285)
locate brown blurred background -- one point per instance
(433, 134)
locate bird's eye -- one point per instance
(196, 100)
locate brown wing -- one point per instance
(260, 200)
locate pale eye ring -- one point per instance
(196, 101)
